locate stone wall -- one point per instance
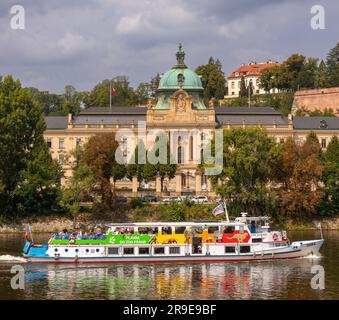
(319, 99)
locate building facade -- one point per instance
(187, 123)
(251, 73)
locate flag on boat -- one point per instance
(28, 232)
(218, 210)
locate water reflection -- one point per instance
(179, 281)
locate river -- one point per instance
(290, 279)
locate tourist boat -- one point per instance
(244, 239)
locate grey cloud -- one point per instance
(83, 42)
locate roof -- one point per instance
(170, 80)
(316, 123)
(57, 122)
(246, 110)
(114, 110)
(252, 69)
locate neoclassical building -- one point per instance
(188, 124)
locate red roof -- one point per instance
(252, 69)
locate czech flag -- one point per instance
(113, 92)
(218, 210)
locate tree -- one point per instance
(124, 94)
(298, 174)
(213, 79)
(243, 89)
(154, 85)
(321, 75)
(99, 156)
(332, 63)
(79, 186)
(143, 93)
(247, 163)
(330, 202)
(29, 179)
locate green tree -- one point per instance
(332, 63)
(143, 93)
(27, 173)
(124, 94)
(79, 187)
(248, 156)
(330, 202)
(321, 75)
(213, 79)
(243, 88)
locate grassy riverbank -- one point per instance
(137, 212)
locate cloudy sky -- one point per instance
(82, 42)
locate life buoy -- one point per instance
(275, 236)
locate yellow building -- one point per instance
(188, 123)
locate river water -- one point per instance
(289, 279)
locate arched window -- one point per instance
(180, 155)
(201, 155)
(183, 180)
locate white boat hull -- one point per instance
(295, 250)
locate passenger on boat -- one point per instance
(253, 227)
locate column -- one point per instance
(158, 184)
(178, 183)
(209, 185)
(135, 184)
(197, 182)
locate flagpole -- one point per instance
(110, 95)
(226, 212)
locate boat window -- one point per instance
(229, 229)
(256, 240)
(229, 249)
(113, 250)
(166, 230)
(198, 230)
(213, 229)
(174, 250)
(241, 229)
(56, 250)
(128, 250)
(245, 249)
(159, 250)
(180, 230)
(143, 250)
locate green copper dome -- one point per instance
(171, 80)
(180, 77)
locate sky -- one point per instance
(82, 42)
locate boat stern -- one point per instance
(32, 250)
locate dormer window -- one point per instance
(323, 124)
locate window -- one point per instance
(323, 143)
(143, 250)
(78, 142)
(229, 229)
(66, 250)
(113, 250)
(245, 249)
(282, 140)
(128, 250)
(61, 159)
(230, 249)
(180, 155)
(61, 143)
(232, 85)
(174, 250)
(232, 93)
(166, 230)
(256, 240)
(49, 143)
(180, 230)
(191, 148)
(159, 250)
(213, 229)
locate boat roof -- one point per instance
(165, 224)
